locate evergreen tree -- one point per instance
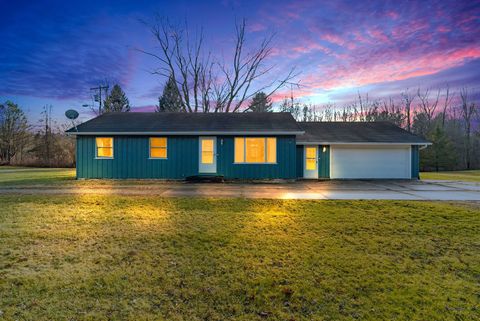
(261, 103)
(170, 101)
(13, 131)
(441, 155)
(117, 101)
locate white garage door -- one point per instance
(355, 161)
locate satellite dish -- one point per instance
(71, 114)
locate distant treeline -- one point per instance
(450, 120)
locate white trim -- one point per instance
(207, 168)
(360, 143)
(150, 147)
(255, 163)
(203, 133)
(306, 171)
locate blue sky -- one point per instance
(52, 52)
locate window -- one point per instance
(207, 151)
(255, 150)
(104, 147)
(311, 158)
(158, 147)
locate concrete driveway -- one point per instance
(360, 189)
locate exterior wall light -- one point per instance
(324, 149)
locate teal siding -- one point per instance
(131, 159)
(415, 162)
(285, 167)
(323, 161)
(300, 160)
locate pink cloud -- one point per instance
(256, 27)
(337, 40)
(443, 29)
(393, 15)
(399, 68)
(309, 47)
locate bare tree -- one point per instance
(205, 83)
(407, 99)
(428, 106)
(446, 104)
(467, 111)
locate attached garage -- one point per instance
(366, 161)
(358, 150)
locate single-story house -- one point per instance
(242, 146)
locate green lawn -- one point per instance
(10, 175)
(145, 258)
(469, 176)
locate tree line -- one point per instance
(450, 120)
(44, 143)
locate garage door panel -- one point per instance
(370, 162)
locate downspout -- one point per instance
(423, 147)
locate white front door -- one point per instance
(310, 165)
(207, 155)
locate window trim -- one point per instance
(265, 138)
(96, 148)
(150, 148)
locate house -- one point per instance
(241, 146)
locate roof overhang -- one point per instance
(361, 143)
(199, 133)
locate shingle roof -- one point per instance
(184, 123)
(356, 132)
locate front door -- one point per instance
(207, 155)
(310, 167)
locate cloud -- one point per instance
(63, 57)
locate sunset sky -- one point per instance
(53, 52)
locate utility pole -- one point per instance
(98, 97)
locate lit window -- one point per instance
(239, 149)
(311, 158)
(207, 151)
(255, 150)
(104, 147)
(158, 147)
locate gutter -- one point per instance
(364, 143)
(199, 133)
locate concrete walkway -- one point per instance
(364, 189)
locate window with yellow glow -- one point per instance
(255, 150)
(104, 147)
(207, 151)
(311, 158)
(158, 147)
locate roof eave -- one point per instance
(187, 133)
(362, 143)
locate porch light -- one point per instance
(324, 149)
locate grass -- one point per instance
(469, 176)
(144, 258)
(30, 176)
(34, 176)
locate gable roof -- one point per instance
(136, 123)
(325, 133)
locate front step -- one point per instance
(205, 179)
